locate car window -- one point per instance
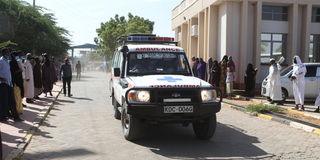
(286, 70)
(157, 63)
(311, 71)
(115, 60)
(318, 72)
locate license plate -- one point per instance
(178, 109)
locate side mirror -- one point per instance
(116, 72)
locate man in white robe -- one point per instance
(28, 80)
(274, 83)
(298, 73)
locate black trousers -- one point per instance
(66, 81)
(7, 102)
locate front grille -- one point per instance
(160, 95)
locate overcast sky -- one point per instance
(83, 17)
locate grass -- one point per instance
(262, 108)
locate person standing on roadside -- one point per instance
(37, 76)
(223, 75)
(229, 82)
(298, 73)
(202, 69)
(209, 70)
(274, 83)
(49, 76)
(194, 66)
(66, 76)
(7, 100)
(216, 73)
(16, 75)
(28, 82)
(250, 80)
(78, 68)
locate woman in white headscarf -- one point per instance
(299, 71)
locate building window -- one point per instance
(316, 14)
(314, 49)
(275, 13)
(272, 46)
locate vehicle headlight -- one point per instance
(139, 96)
(208, 95)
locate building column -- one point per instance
(306, 25)
(189, 39)
(212, 31)
(176, 34)
(184, 36)
(293, 33)
(200, 46)
(258, 19)
(243, 61)
(205, 42)
(193, 40)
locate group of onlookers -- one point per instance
(222, 74)
(23, 76)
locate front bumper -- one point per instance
(156, 112)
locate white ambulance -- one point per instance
(152, 82)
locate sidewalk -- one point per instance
(14, 133)
(289, 104)
(306, 120)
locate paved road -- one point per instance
(83, 128)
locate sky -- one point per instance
(83, 17)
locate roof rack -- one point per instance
(142, 38)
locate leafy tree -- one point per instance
(32, 29)
(120, 26)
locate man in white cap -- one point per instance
(274, 83)
(299, 71)
(28, 80)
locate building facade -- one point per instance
(252, 31)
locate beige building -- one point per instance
(251, 31)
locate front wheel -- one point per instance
(205, 128)
(130, 125)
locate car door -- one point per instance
(311, 83)
(116, 80)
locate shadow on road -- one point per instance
(179, 142)
(82, 98)
(59, 154)
(63, 101)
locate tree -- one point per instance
(120, 26)
(32, 29)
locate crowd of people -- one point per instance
(26, 76)
(222, 74)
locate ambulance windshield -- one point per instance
(157, 63)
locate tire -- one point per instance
(284, 94)
(204, 129)
(130, 125)
(117, 114)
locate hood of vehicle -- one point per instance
(167, 81)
